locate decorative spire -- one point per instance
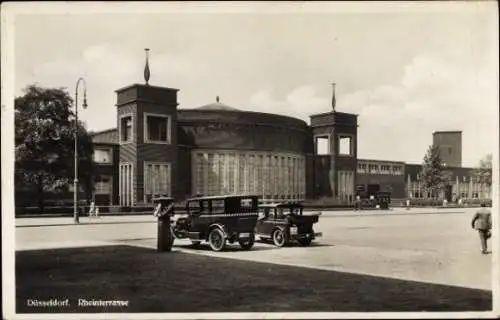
(147, 73)
(334, 100)
(217, 99)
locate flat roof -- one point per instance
(437, 132)
(281, 204)
(223, 197)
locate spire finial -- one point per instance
(217, 99)
(334, 100)
(147, 73)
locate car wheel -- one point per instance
(305, 241)
(247, 244)
(216, 239)
(279, 238)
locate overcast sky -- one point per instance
(407, 71)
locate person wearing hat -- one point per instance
(482, 223)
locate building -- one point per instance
(159, 149)
(449, 144)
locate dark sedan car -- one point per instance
(217, 220)
(286, 222)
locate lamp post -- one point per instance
(75, 186)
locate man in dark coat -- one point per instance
(482, 223)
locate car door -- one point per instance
(262, 218)
(270, 222)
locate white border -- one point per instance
(9, 10)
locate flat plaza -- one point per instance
(422, 247)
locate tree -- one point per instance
(44, 143)
(483, 173)
(433, 176)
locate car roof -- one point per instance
(223, 197)
(163, 199)
(282, 205)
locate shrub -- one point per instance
(327, 202)
(420, 202)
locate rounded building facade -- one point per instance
(234, 152)
(220, 150)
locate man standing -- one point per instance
(357, 203)
(482, 223)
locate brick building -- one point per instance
(160, 149)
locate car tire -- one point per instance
(280, 238)
(305, 241)
(216, 239)
(247, 244)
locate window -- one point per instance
(345, 146)
(218, 205)
(102, 185)
(102, 155)
(397, 170)
(373, 168)
(156, 180)
(126, 128)
(156, 128)
(322, 145)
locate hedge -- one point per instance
(420, 202)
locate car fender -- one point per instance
(218, 226)
(283, 228)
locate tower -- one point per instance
(449, 144)
(335, 153)
(147, 133)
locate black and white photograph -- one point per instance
(250, 160)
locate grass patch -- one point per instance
(181, 282)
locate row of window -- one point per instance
(268, 174)
(422, 194)
(157, 128)
(380, 168)
(322, 145)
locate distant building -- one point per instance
(449, 144)
(216, 149)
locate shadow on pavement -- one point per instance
(178, 282)
(235, 247)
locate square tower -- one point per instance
(335, 154)
(449, 144)
(147, 135)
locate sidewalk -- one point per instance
(141, 218)
(393, 211)
(84, 221)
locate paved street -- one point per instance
(437, 247)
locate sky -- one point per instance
(406, 69)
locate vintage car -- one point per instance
(286, 222)
(218, 220)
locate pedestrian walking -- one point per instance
(482, 223)
(92, 209)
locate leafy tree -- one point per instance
(44, 143)
(433, 176)
(483, 173)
